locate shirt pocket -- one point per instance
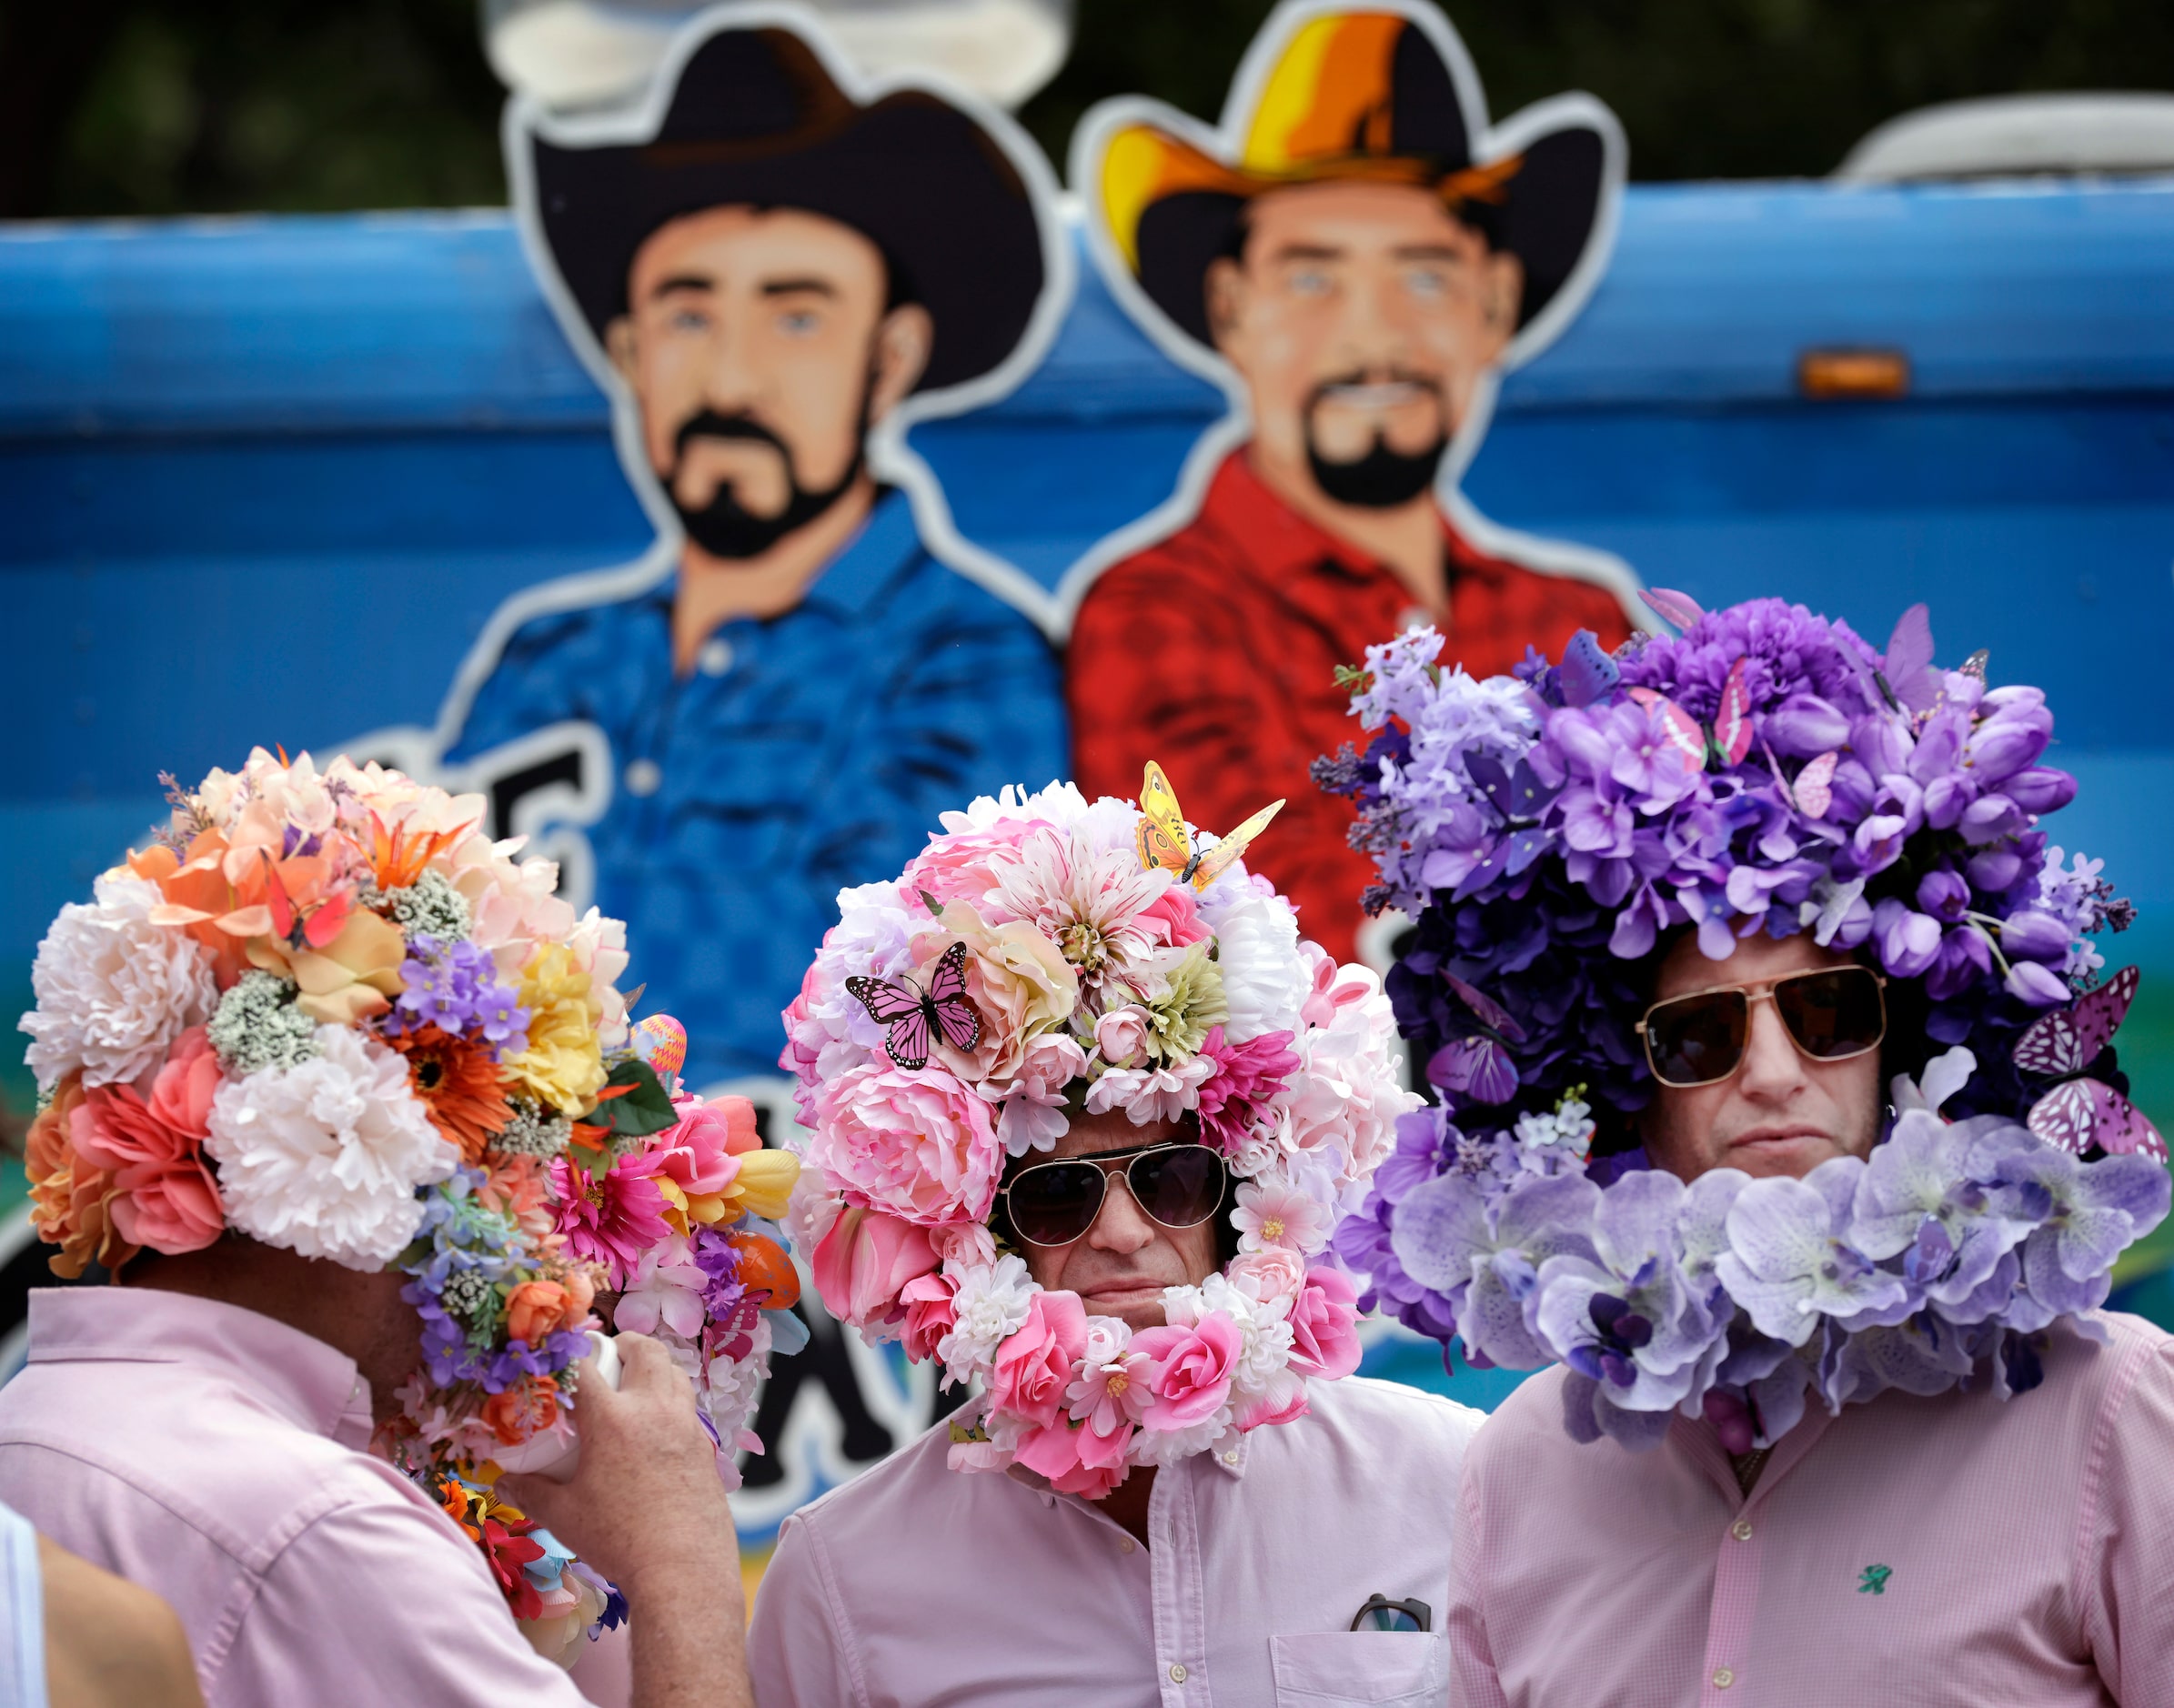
(1338, 1669)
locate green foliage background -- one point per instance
(167, 106)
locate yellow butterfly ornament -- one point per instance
(1164, 841)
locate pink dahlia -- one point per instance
(1248, 1079)
(612, 1220)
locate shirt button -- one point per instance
(644, 777)
(1230, 1458)
(715, 658)
(1177, 1672)
(1741, 1529)
(1125, 1545)
(1722, 1678)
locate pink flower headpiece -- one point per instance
(1032, 963)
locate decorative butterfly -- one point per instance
(1679, 610)
(1479, 1067)
(1520, 797)
(1587, 672)
(2080, 1112)
(1723, 742)
(913, 1015)
(1162, 839)
(1813, 792)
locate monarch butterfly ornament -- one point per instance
(1164, 840)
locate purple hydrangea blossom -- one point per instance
(454, 986)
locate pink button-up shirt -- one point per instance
(916, 1584)
(213, 1455)
(1949, 1550)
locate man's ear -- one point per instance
(904, 338)
(1502, 291)
(618, 346)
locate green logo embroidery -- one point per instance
(1873, 1579)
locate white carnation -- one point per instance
(990, 1307)
(113, 990)
(324, 1158)
(1264, 978)
(1166, 1447)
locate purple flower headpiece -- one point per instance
(1549, 832)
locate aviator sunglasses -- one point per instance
(1830, 1015)
(1054, 1203)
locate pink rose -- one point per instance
(1034, 1366)
(1270, 1408)
(968, 1244)
(1325, 1325)
(930, 1312)
(1121, 1035)
(1172, 918)
(865, 1262)
(1189, 1370)
(698, 1154)
(1076, 1460)
(920, 1145)
(166, 1196)
(1277, 1272)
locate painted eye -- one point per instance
(1427, 283)
(798, 323)
(1309, 282)
(689, 321)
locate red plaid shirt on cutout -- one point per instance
(1214, 651)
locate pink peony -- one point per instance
(1174, 918)
(958, 867)
(920, 1145)
(1035, 1364)
(1189, 1370)
(930, 1312)
(1325, 1325)
(612, 1220)
(967, 1244)
(166, 1196)
(1075, 1458)
(1248, 1079)
(864, 1263)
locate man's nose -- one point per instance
(730, 382)
(1121, 1225)
(1773, 1066)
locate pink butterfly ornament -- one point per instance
(916, 1017)
(2080, 1112)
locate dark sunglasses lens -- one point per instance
(1832, 1014)
(1391, 1618)
(1181, 1187)
(1698, 1037)
(1053, 1203)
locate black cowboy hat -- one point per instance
(1364, 94)
(757, 119)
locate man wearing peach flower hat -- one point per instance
(1355, 256)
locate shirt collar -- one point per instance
(1696, 1439)
(888, 540)
(315, 1386)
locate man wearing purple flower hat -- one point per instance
(1835, 1415)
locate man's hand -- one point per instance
(645, 1508)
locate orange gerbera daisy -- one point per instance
(458, 1083)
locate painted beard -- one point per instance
(1382, 480)
(726, 528)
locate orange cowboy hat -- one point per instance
(1383, 94)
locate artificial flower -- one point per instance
(563, 1064)
(458, 1084)
(355, 975)
(114, 989)
(166, 1198)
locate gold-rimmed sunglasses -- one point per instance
(1830, 1014)
(1177, 1185)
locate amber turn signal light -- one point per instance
(1853, 374)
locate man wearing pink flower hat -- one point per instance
(1082, 1109)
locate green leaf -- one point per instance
(637, 1113)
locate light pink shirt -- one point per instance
(1951, 1550)
(213, 1455)
(916, 1584)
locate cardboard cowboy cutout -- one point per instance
(1355, 256)
(773, 269)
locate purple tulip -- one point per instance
(1944, 894)
(1908, 942)
(2040, 788)
(1991, 817)
(1963, 960)
(2004, 746)
(1992, 872)
(1803, 725)
(1947, 797)
(2040, 986)
(2034, 936)
(1855, 928)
